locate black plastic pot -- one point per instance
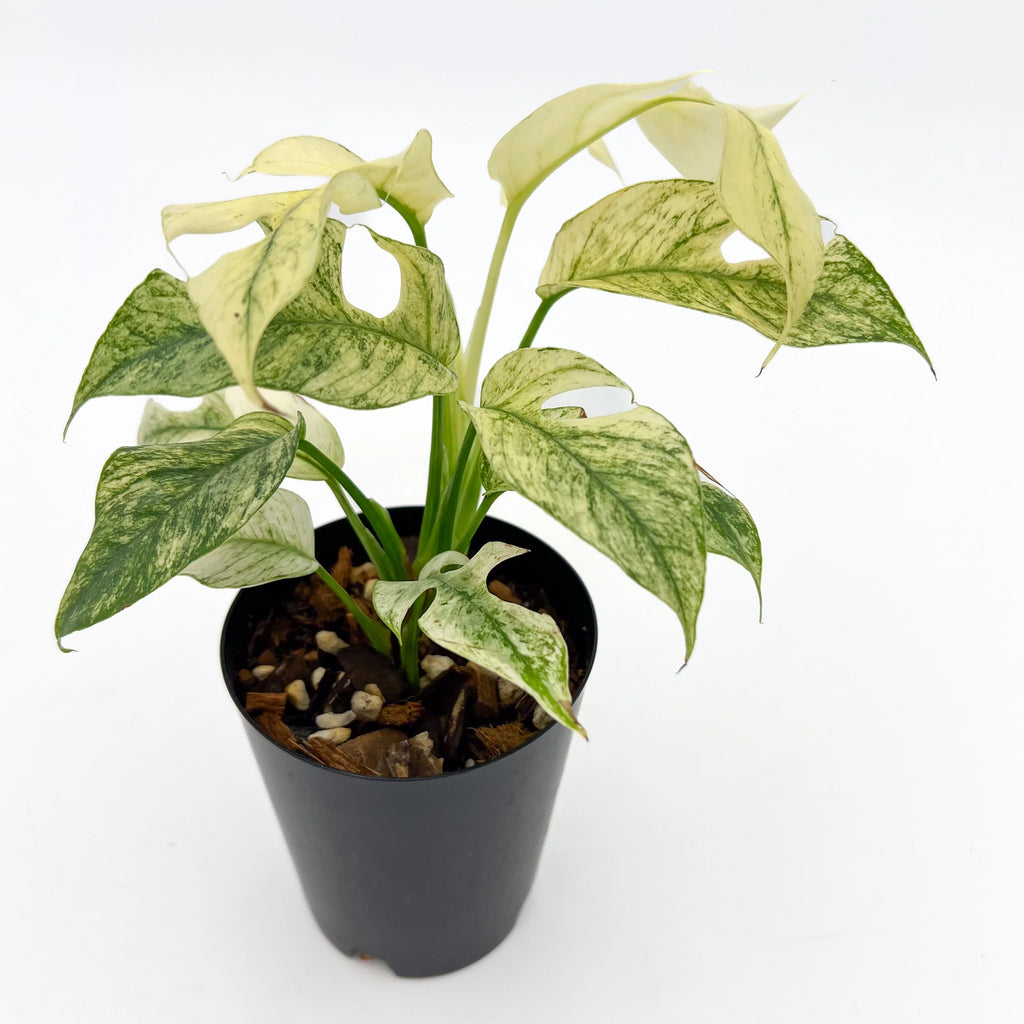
(426, 874)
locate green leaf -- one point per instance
(464, 617)
(626, 483)
(160, 507)
(691, 135)
(165, 426)
(407, 179)
(662, 240)
(240, 294)
(729, 530)
(155, 344)
(559, 129)
(763, 200)
(319, 345)
(277, 543)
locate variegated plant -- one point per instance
(201, 492)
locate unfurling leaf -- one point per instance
(277, 543)
(166, 426)
(319, 345)
(662, 240)
(160, 507)
(464, 617)
(729, 530)
(564, 126)
(626, 483)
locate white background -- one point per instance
(820, 819)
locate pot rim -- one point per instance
(588, 665)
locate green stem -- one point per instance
(466, 538)
(475, 346)
(436, 470)
(454, 496)
(419, 235)
(538, 318)
(376, 633)
(410, 645)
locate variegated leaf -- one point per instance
(626, 483)
(407, 179)
(691, 135)
(763, 200)
(160, 507)
(662, 240)
(240, 294)
(464, 617)
(729, 530)
(166, 426)
(277, 543)
(319, 345)
(559, 129)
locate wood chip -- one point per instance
(500, 739)
(342, 568)
(504, 591)
(271, 724)
(276, 702)
(335, 757)
(404, 713)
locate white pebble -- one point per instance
(367, 706)
(540, 717)
(470, 763)
(263, 671)
(318, 676)
(329, 641)
(374, 689)
(368, 588)
(331, 735)
(298, 695)
(335, 721)
(436, 664)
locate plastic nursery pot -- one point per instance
(426, 874)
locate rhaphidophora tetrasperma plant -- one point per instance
(201, 493)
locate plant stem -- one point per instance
(409, 641)
(475, 346)
(378, 634)
(466, 538)
(436, 470)
(419, 235)
(538, 318)
(454, 496)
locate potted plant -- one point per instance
(359, 682)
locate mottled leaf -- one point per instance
(729, 530)
(764, 201)
(626, 483)
(662, 240)
(407, 179)
(464, 617)
(160, 507)
(166, 426)
(277, 543)
(559, 129)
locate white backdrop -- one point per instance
(820, 819)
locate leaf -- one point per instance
(240, 294)
(276, 543)
(407, 179)
(662, 240)
(691, 135)
(625, 483)
(155, 344)
(729, 530)
(319, 345)
(763, 200)
(559, 129)
(165, 426)
(464, 617)
(160, 507)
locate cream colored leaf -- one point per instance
(564, 126)
(602, 154)
(761, 197)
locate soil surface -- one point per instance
(315, 685)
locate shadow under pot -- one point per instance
(427, 874)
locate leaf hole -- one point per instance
(737, 248)
(602, 401)
(370, 277)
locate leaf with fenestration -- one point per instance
(277, 543)
(626, 483)
(166, 426)
(691, 135)
(761, 197)
(564, 126)
(407, 179)
(160, 507)
(662, 240)
(464, 617)
(729, 530)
